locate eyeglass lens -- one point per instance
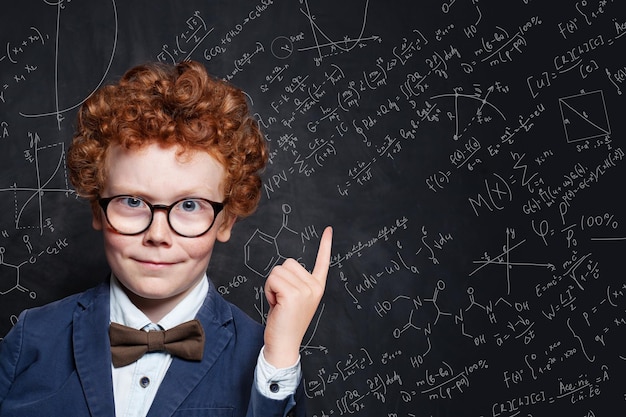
(187, 217)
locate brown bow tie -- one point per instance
(127, 344)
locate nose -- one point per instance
(159, 233)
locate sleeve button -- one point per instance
(144, 382)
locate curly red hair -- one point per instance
(172, 105)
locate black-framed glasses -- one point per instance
(132, 215)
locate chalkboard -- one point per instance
(467, 152)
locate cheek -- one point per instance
(198, 248)
(114, 243)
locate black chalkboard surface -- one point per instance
(468, 153)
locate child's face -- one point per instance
(158, 264)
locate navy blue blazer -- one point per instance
(56, 361)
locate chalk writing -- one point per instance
(468, 154)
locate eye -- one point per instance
(190, 205)
(131, 202)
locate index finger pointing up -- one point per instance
(322, 262)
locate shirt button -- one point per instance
(274, 387)
(144, 382)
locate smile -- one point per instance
(154, 264)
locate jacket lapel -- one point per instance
(92, 350)
(183, 376)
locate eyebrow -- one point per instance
(122, 190)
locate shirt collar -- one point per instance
(124, 312)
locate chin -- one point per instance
(149, 289)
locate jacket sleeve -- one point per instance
(292, 406)
(10, 348)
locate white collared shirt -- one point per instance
(135, 385)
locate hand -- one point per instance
(293, 295)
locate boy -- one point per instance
(169, 158)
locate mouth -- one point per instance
(154, 263)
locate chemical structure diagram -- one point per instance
(13, 284)
(264, 251)
(12, 280)
(418, 304)
(425, 314)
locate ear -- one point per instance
(226, 226)
(96, 217)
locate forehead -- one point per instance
(162, 172)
